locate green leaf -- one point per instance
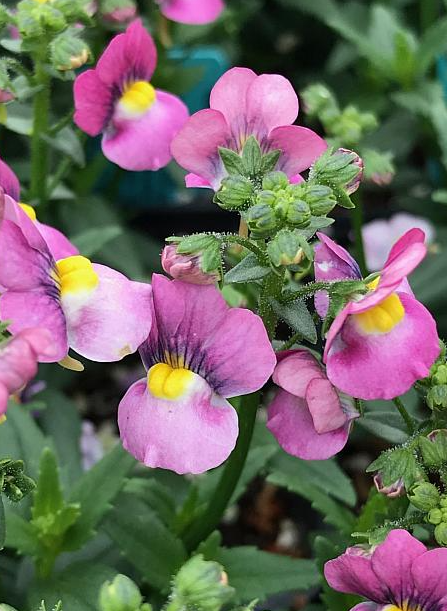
(90, 241)
(196, 243)
(298, 317)
(48, 497)
(386, 424)
(155, 494)
(77, 586)
(252, 157)
(2, 524)
(247, 270)
(11, 45)
(21, 535)
(95, 492)
(398, 463)
(269, 161)
(433, 43)
(67, 142)
(257, 574)
(146, 541)
(232, 161)
(211, 259)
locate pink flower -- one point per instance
(399, 574)
(393, 491)
(58, 244)
(116, 99)
(379, 234)
(308, 416)
(89, 307)
(191, 11)
(244, 104)
(185, 267)
(18, 361)
(380, 343)
(199, 353)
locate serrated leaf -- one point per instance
(298, 317)
(211, 259)
(232, 161)
(95, 491)
(90, 241)
(195, 243)
(257, 574)
(146, 541)
(48, 497)
(398, 463)
(247, 270)
(269, 161)
(252, 157)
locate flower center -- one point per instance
(406, 606)
(76, 274)
(138, 97)
(383, 317)
(29, 211)
(166, 382)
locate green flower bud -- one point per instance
(321, 199)
(286, 248)
(34, 18)
(68, 51)
(201, 585)
(318, 100)
(441, 533)
(435, 516)
(298, 213)
(121, 594)
(338, 169)
(440, 374)
(424, 496)
(235, 193)
(443, 503)
(261, 220)
(437, 397)
(275, 181)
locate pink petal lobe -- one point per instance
(229, 96)
(9, 181)
(93, 103)
(294, 372)
(191, 11)
(428, 571)
(59, 245)
(271, 102)
(300, 147)
(324, 406)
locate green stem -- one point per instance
(223, 492)
(39, 148)
(290, 342)
(59, 174)
(357, 224)
(248, 244)
(405, 415)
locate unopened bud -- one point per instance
(186, 267)
(435, 516)
(424, 496)
(437, 397)
(118, 12)
(392, 491)
(68, 51)
(286, 248)
(320, 198)
(201, 585)
(261, 220)
(379, 167)
(441, 533)
(275, 181)
(352, 186)
(121, 594)
(235, 193)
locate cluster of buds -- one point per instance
(437, 382)
(342, 170)
(14, 484)
(121, 594)
(427, 498)
(290, 249)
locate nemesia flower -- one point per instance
(243, 104)
(117, 99)
(89, 307)
(193, 12)
(199, 353)
(380, 233)
(19, 356)
(185, 267)
(380, 343)
(393, 491)
(308, 416)
(398, 575)
(58, 244)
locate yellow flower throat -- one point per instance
(138, 97)
(383, 317)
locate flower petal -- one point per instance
(144, 143)
(196, 146)
(295, 371)
(59, 245)
(192, 180)
(352, 573)
(404, 257)
(192, 434)
(131, 55)
(392, 560)
(229, 96)
(271, 102)
(110, 321)
(300, 147)
(36, 308)
(428, 571)
(12, 211)
(291, 423)
(9, 181)
(191, 11)
(93, 101)
(324, 406)
(378, 366)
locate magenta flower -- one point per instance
(399, 575)
(58, 244)
(19, 356)
(379, 234)
(308, 416)
(117, 99)
(185, 267)
(243, 104)
(380, 343)
(199, 353)
(88, 307)
(194, 12)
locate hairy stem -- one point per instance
(405, 415)
(39, 148)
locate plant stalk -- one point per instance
(405, 415)
(39, 148)
(357, 224)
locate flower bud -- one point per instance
(261, 220)
(441, 533)
(337, 169)
(440, 374)
(235, 193)
(286, 248)
(393, 491)
(121, 594)
(379, 167)
(186, 267)
(434, 448)
(201, 585)
(275, 181)
(437, 397)
(435, 516)
(118, 12)
(424, 496)
(68, 51)
(298, 213)
(320, 198)
(354, 184)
